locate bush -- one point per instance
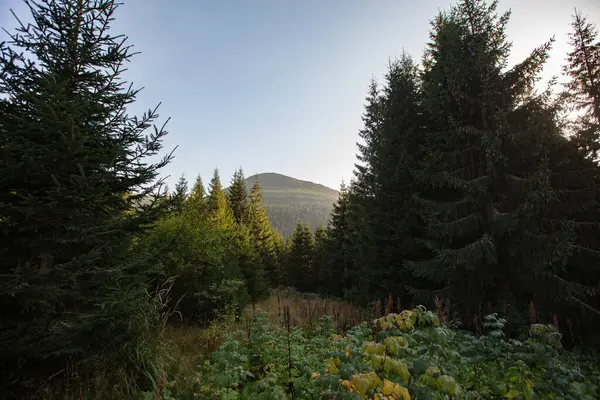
(197, 255)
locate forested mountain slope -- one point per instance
(288, 200)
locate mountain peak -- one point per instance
(273, 179)
(288, 200)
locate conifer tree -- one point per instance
(392, 134)
(576, 175)
(217, 206)
(320, 264)
(340, 247)
(299, 260)
(179, 195)
(483, 184)
(257, 216)
(76, 187)
(264, 237)
(197, 198)
(238, 197)
(250, 264)
(361, 200)
(583, 89)
(274, 265)
(182, 186)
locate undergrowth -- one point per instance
(409, 355)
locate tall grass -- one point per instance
(139, 364)
(305, 310)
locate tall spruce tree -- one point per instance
(76, 187)
(483, 183)
(265, 239)
(238, 197)
(576, 175)
(392, 134)
(361, 201)
(257, 217)
(583, 89)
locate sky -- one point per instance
(280, 85)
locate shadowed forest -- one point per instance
(462, 261)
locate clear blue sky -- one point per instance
(279, 85)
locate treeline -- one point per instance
(284, 216)
(472, 188)
(220, 251)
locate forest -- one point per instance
(462, 261)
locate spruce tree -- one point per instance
(238, 197)
(76, 187)
(257, 216)
(484, 182)
(583, 89)
(576, 175)
(250, 264)
(361, 200)
(274, 267)
(182, 186)
(197, 198)
(179, 195)
(339, 275)
(392, 135)
(299, 260)
(320, 261)
(265, 239)
(217, 205)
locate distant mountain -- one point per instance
(288, 200)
